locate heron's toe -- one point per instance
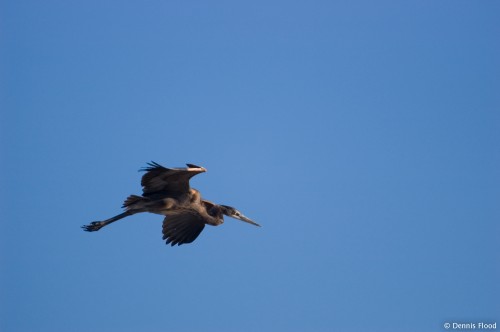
(92, 227)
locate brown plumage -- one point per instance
(166, 191)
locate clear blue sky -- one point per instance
(363, 135)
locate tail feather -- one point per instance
(131, 200)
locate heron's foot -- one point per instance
(93, 226)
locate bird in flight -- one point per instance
(166, 191)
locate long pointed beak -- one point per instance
(248, 220)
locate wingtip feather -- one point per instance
(151, 166)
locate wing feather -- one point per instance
(183, 227)
(167, 182)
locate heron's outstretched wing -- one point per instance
(182, 227)
(167, 182)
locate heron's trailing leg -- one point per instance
(97, 225)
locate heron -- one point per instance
(166, 191)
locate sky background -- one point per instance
(363, 136)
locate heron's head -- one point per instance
(233, 213)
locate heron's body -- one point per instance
(166, 191)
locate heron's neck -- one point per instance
(215, 216)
